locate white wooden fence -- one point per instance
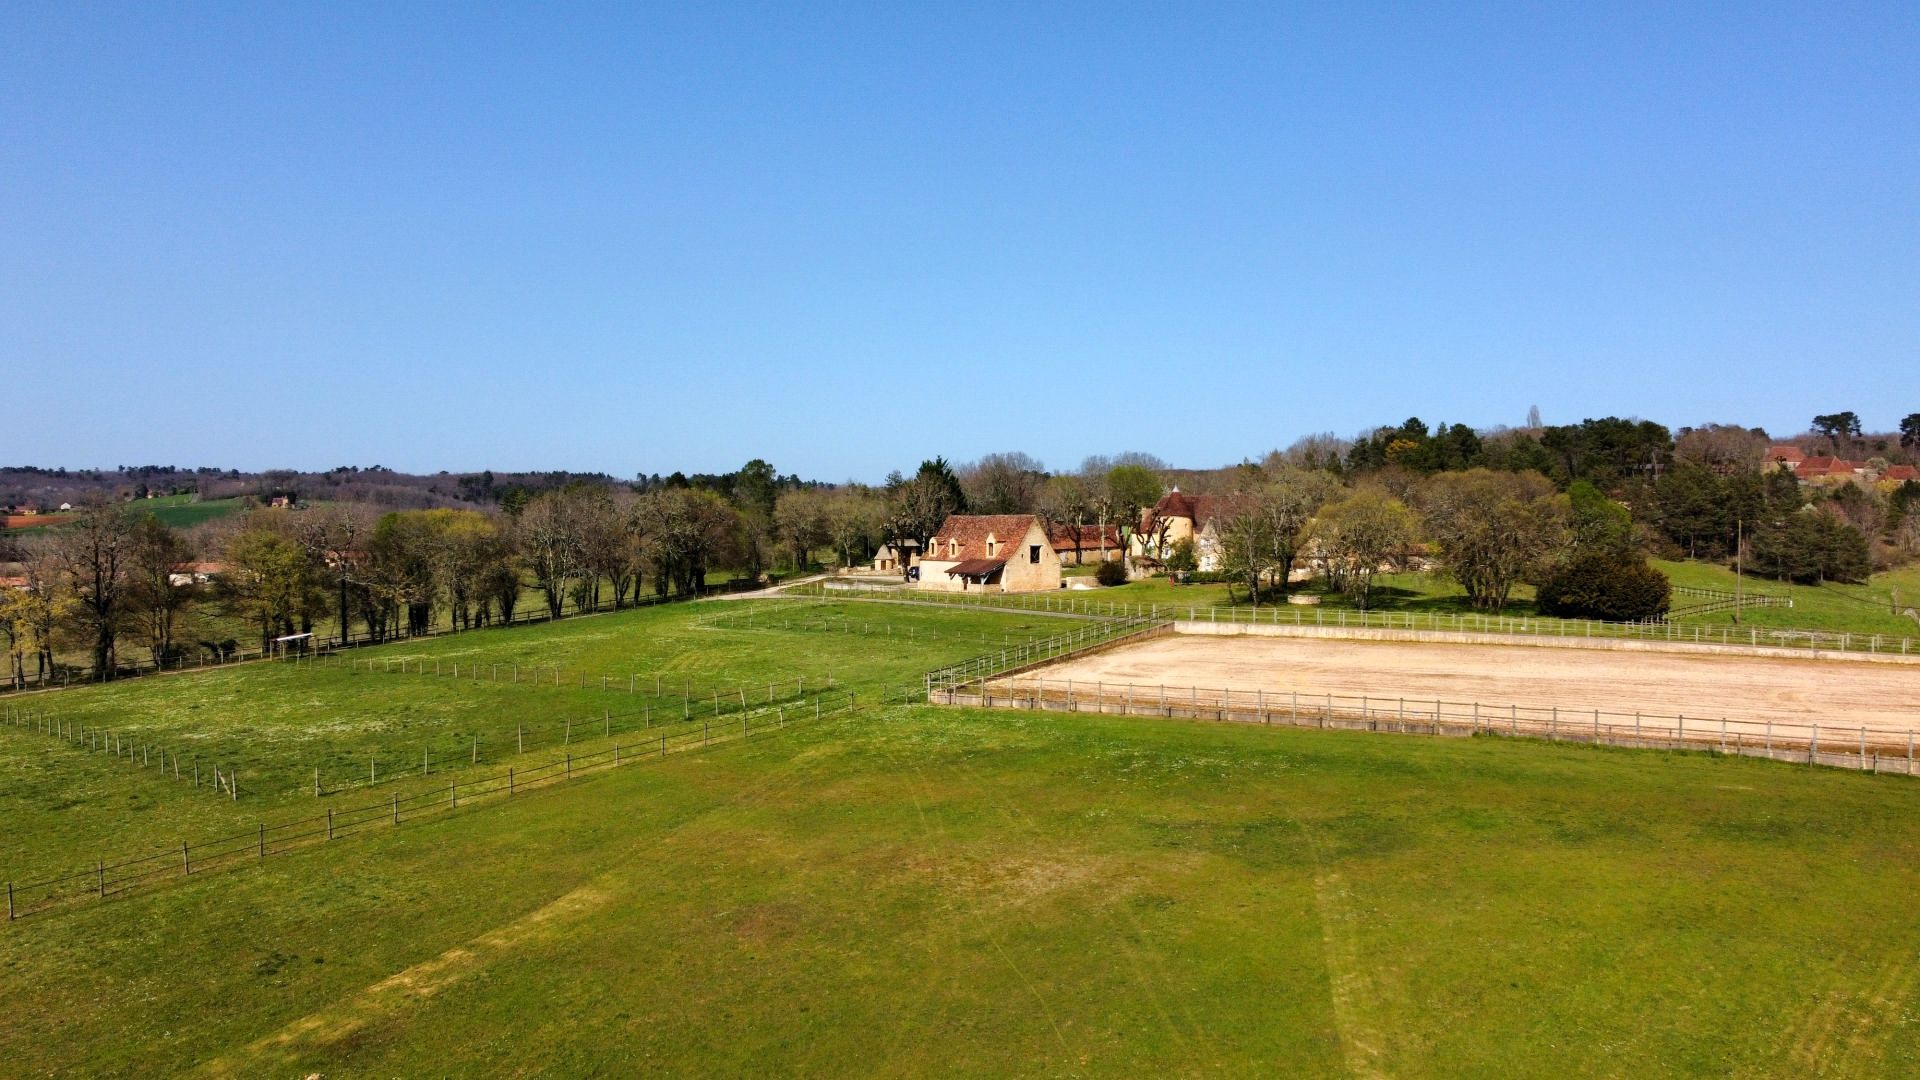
(1854, 746)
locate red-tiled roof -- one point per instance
(1091, 537)
(1788, 454)
(1198, 509)
(1901, 472)
(972, 530)
(1828, 466)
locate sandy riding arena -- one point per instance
(1748, 692)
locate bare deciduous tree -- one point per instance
(94, 553)
(161, 585)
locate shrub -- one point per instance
(1603, 585)
(1111, 573)
(1183, 558)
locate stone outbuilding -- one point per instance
(1179, 516)
(895, 556)
(1087, 543)
(990, 553)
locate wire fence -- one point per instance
(221, 779)
(1714, 601)
(62, 675)
(657, 684)
(1057, 603)
(105, 880)
(666, 703)
(789, 615)
(1855, 746)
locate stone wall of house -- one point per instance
(1023, 575)
(1019, 575)
(1178, 529)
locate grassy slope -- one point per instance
(183, 511)
(276, 723)
(929, 891)
(1864, 608)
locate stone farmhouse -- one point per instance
(990, 553)
(895, 556)
(1179, 516)
(1086, 543)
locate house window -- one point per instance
(1033, 553)
(989, 549)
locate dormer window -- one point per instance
(989, 549)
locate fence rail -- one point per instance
(1445, 622)
(987, 665)
(1876, 749)
(1746, 595)
(668, 704)
(1533, 626)
(105, 880)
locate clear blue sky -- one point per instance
(846, 238)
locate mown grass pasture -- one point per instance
(911, 890)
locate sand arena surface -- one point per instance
(1833, 693)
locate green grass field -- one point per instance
(1862, 609)
(185, 511)
(179, 511)
(907, 890)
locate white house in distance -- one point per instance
(990, 553)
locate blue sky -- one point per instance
(846, 238)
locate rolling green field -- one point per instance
(185, 511)
(178, 511)
(908, 890)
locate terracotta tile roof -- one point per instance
(1828, 466)
(972, 531)
(1198, 509)
(1091, 537)
(13, 582)
(1901, 472)
(1789, 454)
